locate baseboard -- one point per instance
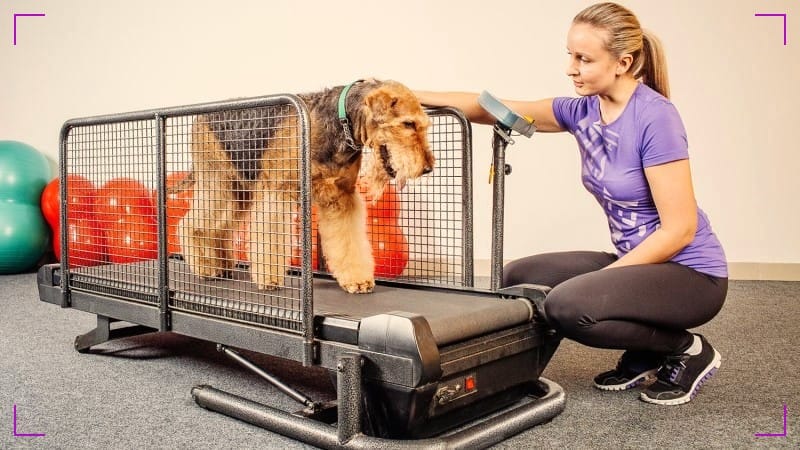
(764, 271)
(736, 270)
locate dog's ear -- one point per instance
(380, 105)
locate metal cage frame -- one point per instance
(159, 313)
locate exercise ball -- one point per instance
(24, 172)
(23, 237)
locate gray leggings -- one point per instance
(646, 307)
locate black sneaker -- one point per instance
(633, 369)
(681, 376)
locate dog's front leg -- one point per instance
(348, 254)
(270, 243)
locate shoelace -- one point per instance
(671, 370)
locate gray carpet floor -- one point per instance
(134, 392)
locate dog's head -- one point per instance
(395, 127)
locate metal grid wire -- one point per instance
(422, 234)
(241, 228)
(110, 209)
(117, 181)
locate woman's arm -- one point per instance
(671, 187)
(541, 111)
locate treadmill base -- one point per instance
(347, 433)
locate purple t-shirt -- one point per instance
(649, 132)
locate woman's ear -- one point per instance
(624, 63)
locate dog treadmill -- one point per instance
(427, 359)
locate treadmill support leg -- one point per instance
(104, 333)
(286, 389)
(349, 387)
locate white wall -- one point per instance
(732, 79)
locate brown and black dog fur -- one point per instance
(245, 167)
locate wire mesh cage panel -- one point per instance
(161, 209)
(109, 216)
(436, 213)
(235, 219)
(421, 233)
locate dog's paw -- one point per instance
(269, 287)
(218, 275)
(359, 287)
(270, 284)
(265, 280)
(209, 273)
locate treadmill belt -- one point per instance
(452, 315)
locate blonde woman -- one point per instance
(669, 272)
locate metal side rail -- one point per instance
(347, 432)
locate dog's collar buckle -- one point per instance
(348, 130)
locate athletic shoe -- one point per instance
(681, 376)
(633, 369)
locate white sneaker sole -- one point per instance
(707, 373)
(642, 378)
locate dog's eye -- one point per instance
(410, 124)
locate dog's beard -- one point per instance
(373, 176)
(391, 172)
(387, 162)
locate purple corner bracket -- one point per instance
(776, 434)
(23, 434)
(23, 15)
(776, 15)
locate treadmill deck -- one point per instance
(453, 314)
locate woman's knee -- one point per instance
(520, 271)
(543, 268)
(563, 308)
(552, 269)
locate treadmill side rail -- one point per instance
(49, 283)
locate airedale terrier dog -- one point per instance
(245, 167)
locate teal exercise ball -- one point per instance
(24, 172)
(24, 237)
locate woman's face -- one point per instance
(591, 67)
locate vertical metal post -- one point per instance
(348, 385)
(306, 271)
(468, 276)
(499, 143)
(62, 219)
(161, 218)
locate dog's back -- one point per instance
(245, 134)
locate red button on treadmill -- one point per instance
(469, 383)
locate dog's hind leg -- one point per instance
(274, 202)
(270, 237)
(206, 232)
(348, 254)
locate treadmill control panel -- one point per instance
(456, 388)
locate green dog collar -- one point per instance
(348, 134)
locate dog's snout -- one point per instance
(427, 169)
